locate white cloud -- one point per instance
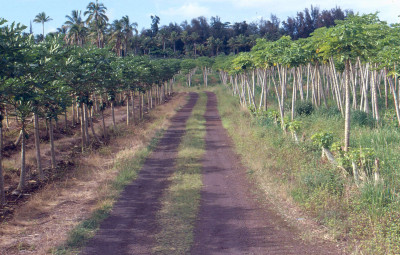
(188, 10)
(50, 30)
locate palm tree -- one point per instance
(185, 39)
(75, 18)
(211, 44)
(76, 28)
(77, 34)
(62, 30)
(97, 16)
(194, 37)
(218, 44)
(233, 44)
(162, 36)
(117, 36)
(173, 37)
(42, 18)
(128, 28)
(134, 43)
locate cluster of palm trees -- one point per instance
(93, 27)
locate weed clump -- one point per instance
(329, 112)
(304, 108)
(362, 119)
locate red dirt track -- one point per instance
(230, 220)
(132, 224)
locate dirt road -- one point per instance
(132, 223)
(231, 221)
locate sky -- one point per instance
(23, 11)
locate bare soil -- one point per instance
(67, 149)
(131, 227)
(231, 220)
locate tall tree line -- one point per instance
(197, 37)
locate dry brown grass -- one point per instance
(44, 221)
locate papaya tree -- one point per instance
(188, 68)
(16, 90)
(205, 63)
(78, 68)
(12, 54)
(346, 42)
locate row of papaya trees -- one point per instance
(351, 66)
(43, 81)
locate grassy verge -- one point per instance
(368, 218)
(180, 203)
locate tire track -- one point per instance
(230, 220)
(131, 226)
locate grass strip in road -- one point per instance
(180, 202)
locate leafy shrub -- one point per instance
(294, 126)
(362, 119)
(304, 108)
(274, 115)
(323, 139)
(253, 110)
(363, 157)
(390, 118)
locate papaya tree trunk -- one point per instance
(395, 99)
(140, 106)
(51, 135)
(7, 119)
(142, 103)
(96, 105)
(21, 184)
(92, 126)
(65, 120)
(83, 134)
(37, 145)
(148, 100)
(347, 111)
(375, 94)
(16, 143)
(78, 113)
(293, 96)
(113, 113)
(2, 194)
(128, 113)
(205, 75)
(133, 106)
(151, 98)
(386, 89)
(85, 117)
(104, 125)
(265, 90)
